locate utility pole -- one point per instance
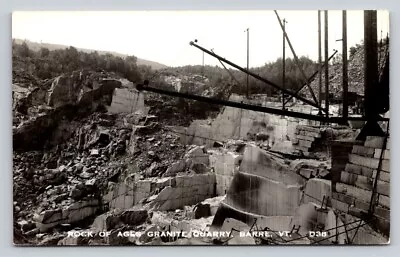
(297, 61)
(203, 65)
(326, 65)
(319, 61)
(344, 59)
(283, 63)
(247, 90)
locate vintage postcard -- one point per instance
(267, 127)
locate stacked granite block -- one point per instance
(304, 138)
(353, 193)
(341, 149)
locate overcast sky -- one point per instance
(164, 36)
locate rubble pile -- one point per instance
(75, 173)
(150, 143)
(309, 168)
(64, 187)
(316, 141)
(85, 175)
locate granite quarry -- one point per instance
(95, 163)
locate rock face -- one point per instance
(318, 191)
(69, 214)
(71, 95)
(27, 100)
(224, 165)
(263, 186)
(31, 134)
(193, 84)
(260, 163)
(115, 218)
(188, 190)
(263, 196)
(235, 123)
(80, 88)
(202, 210)
(126, 100)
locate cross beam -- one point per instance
(256, 108)
(256, 76)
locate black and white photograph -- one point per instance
(215, 128)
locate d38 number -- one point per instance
(317, 233)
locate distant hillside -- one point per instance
(36, 47)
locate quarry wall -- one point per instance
(126, 100)
(235, 123)
(173, 192)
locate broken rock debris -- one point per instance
(113, 176)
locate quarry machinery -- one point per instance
(246, 195)
(376, 100)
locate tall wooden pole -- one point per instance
(371, 78)
(326, 65)
(247, 91)
(202, 69)
(319, 60)
(371, 61)
(344, 59)
(283, 65)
